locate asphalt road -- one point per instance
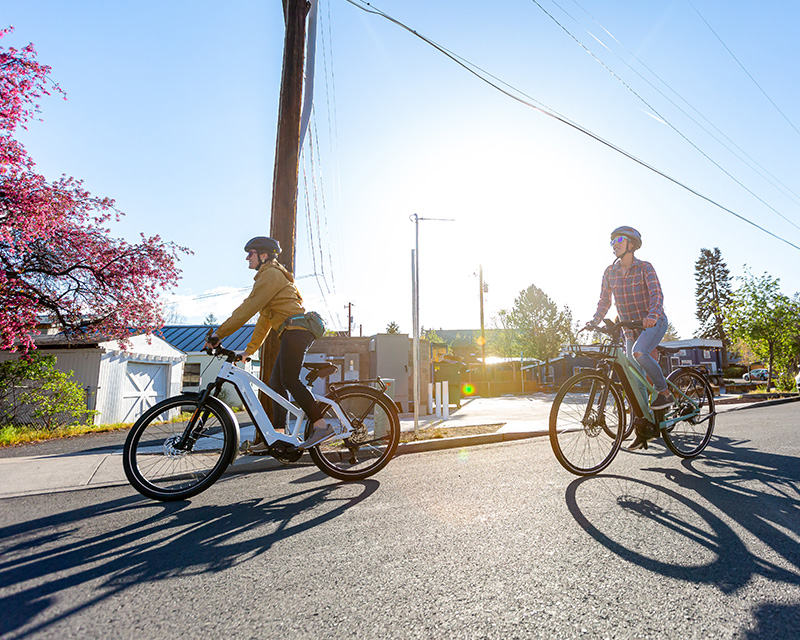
(495, 541)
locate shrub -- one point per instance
(36, 395)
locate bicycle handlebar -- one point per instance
(219, 350)
(612, 328)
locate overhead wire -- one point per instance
(733, 55)
(739, 153)
(659, 114)
(531, 102)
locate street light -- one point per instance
(415, 310)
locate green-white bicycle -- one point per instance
(589, 420)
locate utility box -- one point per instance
(449, 373)
(388, 358)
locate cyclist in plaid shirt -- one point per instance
(637, 295)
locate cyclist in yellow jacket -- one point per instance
(280, 307)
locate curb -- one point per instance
(766, 403)
(457, 442)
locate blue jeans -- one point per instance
(644, 344)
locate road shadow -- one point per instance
(721, 519)
(45, 556)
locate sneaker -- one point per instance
(664, 400)
(260, 449)
(639, 442)
(645, 432)
(318, 436)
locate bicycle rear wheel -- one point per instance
(159, 470)
(587, 423)
(693, 397)
(373, 442)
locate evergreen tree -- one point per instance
(535, 326)
(671, 333)
(713, 296)
(393, 327)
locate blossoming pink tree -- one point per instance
(57, 255)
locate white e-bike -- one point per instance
(182, 445)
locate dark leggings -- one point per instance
(285, 375)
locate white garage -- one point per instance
(120, 384)
(145, 385)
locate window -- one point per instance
(706, 354)
(191, 374)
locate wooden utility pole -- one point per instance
(287, 157)
(349, 319)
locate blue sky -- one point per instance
(172, 111)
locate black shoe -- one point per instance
(645, 431)
(664, 400)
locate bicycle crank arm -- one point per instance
(708, 417)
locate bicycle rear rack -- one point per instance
(377, 383)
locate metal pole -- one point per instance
(415, 329)
(415, 281)
(483, 336)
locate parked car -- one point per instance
(760, 375)
(797, 380)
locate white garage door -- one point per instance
(145, 385)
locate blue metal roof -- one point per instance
(190, 338)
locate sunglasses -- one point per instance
(251, 253)
(617, 240)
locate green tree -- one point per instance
(393, 327)
(766, 320)
(534, 326)
(34, 392)
(713, 295)
(210, 320)
(431, 336)
(671, 333)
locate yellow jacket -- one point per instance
(274, 296)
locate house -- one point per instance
(120, 383)
(358, 358)
(697, 352)
(200, 368)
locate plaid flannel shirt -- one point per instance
(637, 292)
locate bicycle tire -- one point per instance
(689, 437)
(159, 471)
(374, 441)
(586, 439)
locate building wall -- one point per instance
(102, 370)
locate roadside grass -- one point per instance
(11, 435)
(434, 433)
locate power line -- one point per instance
(722, 42)
(747, 159)
(662, 117)
(529, 101)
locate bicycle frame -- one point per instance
(628, 371)
(296, 417)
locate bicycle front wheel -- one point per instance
(694, 399)
(373, 442)
(587, 423)
(158, 467)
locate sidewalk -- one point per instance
(520, 417)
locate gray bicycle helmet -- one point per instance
(263, 244)
(630, 233)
